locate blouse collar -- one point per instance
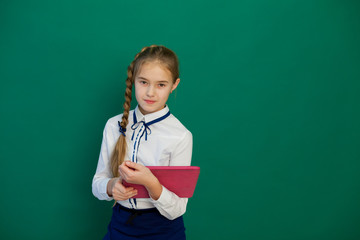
(151, 116)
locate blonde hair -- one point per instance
(160, 54)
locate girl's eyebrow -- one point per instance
(160, 81)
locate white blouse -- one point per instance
(156, 139)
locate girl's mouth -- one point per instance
(149, 101)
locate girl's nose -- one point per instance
(150, 91)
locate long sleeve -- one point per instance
(169, 204)
(103, 173)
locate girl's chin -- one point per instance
(149, 109)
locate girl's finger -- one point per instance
(122, 175)
(121, 188)
(126, 196)
(131, 193)
(125, 169)
(129, 189)
(124, 191)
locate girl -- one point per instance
(149, 135)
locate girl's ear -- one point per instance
(175, 84)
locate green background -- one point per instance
(270, 91)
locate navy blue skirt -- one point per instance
(143, 224)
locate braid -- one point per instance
(128, 91)
(120, 147)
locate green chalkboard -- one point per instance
(269, 90)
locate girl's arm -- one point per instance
(169, 204)
(103, 174)
(104, 186)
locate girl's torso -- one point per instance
(154, 139)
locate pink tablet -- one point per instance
(180, 180)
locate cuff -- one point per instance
(165, 198)
(103, 189)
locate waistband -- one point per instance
(141, 211)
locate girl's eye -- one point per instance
(162, 85)
(142, 82)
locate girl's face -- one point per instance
(153, 84)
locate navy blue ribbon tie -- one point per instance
(146, 131)
(121, 129)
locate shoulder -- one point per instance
(177, 128)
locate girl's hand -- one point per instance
(119, 192)
(136, 173)
(139, 174)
